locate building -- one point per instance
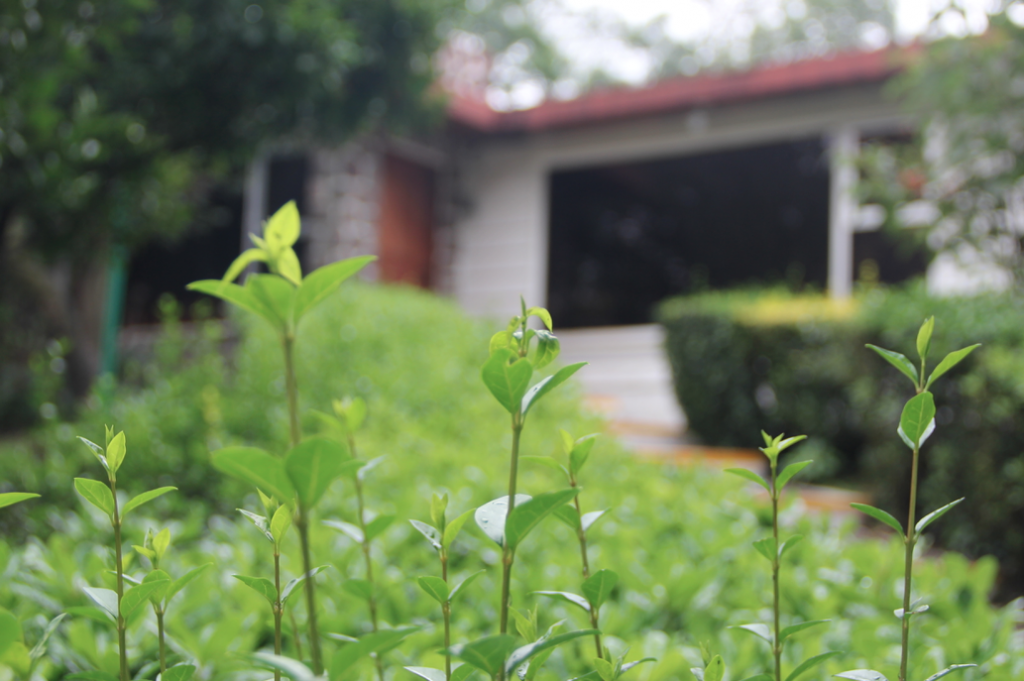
(601, 206)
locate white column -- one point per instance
(843, 146)
(254, 200)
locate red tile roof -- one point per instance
(677, 94)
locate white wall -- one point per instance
(501, 244)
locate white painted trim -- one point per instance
(843, 145)
(254, 203)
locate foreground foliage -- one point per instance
(673, 570)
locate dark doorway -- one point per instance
(204, 253)
(624, 237)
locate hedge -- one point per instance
(746, 360)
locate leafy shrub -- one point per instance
(798, 364)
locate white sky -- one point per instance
(688, 19)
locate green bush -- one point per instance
(743, 360)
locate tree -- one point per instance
(116, 115)
(965, 170)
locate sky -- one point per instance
(689, 19)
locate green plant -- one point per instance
(154, 549)
(349, 415)
(917, 423)
(507, 375)
(773, 550)
(441, 535)
(120, 605)
(282, 298)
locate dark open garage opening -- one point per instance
(626, 236)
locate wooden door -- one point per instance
(406, 222)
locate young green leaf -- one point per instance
(293, 669)
(934, 515)
(105, 598)
(181, 582)
(796, 628)
(948, 362)
(279, 524)
(461, 586)
(312, 465)
(861, 675)
(97, 494)
(715, 670)
(810, 663)
(463, 672)
(259, 521)
(256, 467)
(759, 630)
(547, 461)
(159, 594)
(10, 630)
(325, 280)
(541, 314)
(360, 588)
(767, 548)
(526, 516)
(629, 665)
(490, 517)
(486, 654)
(378, 525)
(9, 498)
(589, 519)
(604, 669)
(548, 347)
(428, 673)
(435, 587)
(899, 361)
(348, 529)
(949, 670)
(507, 376)
(578, 601)
(917, 420)
(282, 229)
(789, 471)
(116, 451)
(451, 531)
(880, 515)
(598, 587)
(924, 337)
(438, 506)
(427, 531)
(97, 452)
(179, 672)
(238, 296)
(136, 596)
(789, 543)
(534, 394)
(39, 649)
(524, 653)
(246, 258)
(290, 587)
(376, 642)
(580, 453)
(749, 475)
(568, 515)
(141, 499)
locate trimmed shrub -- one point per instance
(797, 363)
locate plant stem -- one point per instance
(295, 631)
(910, 540)
(314, 640)
(302, 522)
(446, 613)
(776, 644)
(507, 556)
(372, 600)
(277, 608)
(121, 639)
(160, 634)
(581, 535)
